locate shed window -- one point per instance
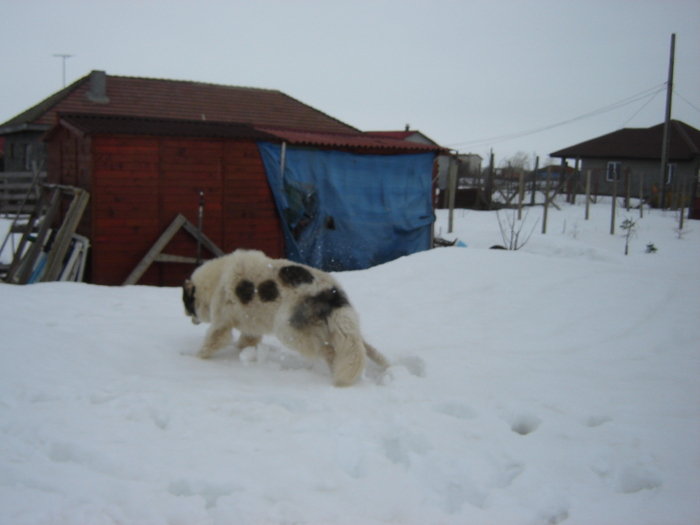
(614, 170)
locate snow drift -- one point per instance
(558, 383)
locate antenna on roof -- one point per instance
(63, 56)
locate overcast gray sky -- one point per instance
(466, 73)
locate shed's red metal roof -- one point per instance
(346, 140)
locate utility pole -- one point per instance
(63, 57)
(667, 122)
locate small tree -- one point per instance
(510, 229)
(630, 228)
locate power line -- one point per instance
(503, 138)
(641, 108)
(686, 101)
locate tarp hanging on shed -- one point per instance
(346, 211)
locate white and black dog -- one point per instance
(305, 308)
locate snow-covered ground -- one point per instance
(555, 384)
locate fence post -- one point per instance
(489, 183)
(452, 181)
(521, 194)
(614, 203)
(588, 193)
(682, 210)
(546, 199)
(534, 181)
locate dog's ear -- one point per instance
(188, 286)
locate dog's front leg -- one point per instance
(328, 354)
(218, 336)
(247, 340)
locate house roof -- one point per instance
(638, 143)
(410, 135)
(399, 135)
(132, 125)
(346, 140)
(176, 99)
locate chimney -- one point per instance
(98, 88)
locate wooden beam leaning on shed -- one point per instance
(30, 265)
(155, 255)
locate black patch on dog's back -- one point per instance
(317, 308)
(245, 290)
(268, 291)
(294, 276)
(188, 290)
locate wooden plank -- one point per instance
(109, 176)
(26, 265)
(179, 222)
(129, 223)
(206, 242)
(164, 257)
(65, 233)
(128, 186)
(161, 243)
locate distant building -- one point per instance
(635, 153)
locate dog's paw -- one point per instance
(205, 353)
(248, 355)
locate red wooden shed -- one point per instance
(141, 173)
(145, 148)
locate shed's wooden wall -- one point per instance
(138, 185)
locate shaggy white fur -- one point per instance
(305, 308)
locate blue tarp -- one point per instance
(346, 211)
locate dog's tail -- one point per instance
(376, 356)
(348, 346)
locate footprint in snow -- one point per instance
(456, 409)
(637, 478)
(402, 368)
(524, 423)
(595, 421)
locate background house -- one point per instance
(146, 148)
(413, 135)
(468, 166)
(634, 155)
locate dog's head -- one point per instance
(188, 299)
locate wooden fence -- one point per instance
(15, 187)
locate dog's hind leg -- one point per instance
(218, 336)
(247, 340)
(376, 356)
(348, 362)
(347, 344)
